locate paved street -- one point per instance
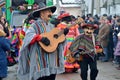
(107, 71)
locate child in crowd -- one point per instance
(117, 51)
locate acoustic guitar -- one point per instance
(55, 36)
(71, 57)
(75, 56)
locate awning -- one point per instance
(2, 3)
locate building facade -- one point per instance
(101, 7)
(71, 6)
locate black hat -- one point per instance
(41, 7)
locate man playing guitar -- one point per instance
(34, 62)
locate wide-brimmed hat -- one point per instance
(64, 15)
(90, 24)
(41, 7)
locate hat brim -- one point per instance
(64, 15)
(36, 12)
(90, 25)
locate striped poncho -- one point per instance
(34, 62)
(85, 42)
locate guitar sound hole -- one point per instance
(56, 36)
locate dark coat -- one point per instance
(103, 35)
(4, 46)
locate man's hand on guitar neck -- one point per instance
(66, 30)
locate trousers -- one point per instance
(84, 64)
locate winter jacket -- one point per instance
(4, 47)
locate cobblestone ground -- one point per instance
(107, 71)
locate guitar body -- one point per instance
(54, 38)
(69, 57)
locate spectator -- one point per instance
(4, 47)
(103, 36)
(117, 51)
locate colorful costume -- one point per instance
(72, 34)
(17, 38)
(86, 42)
